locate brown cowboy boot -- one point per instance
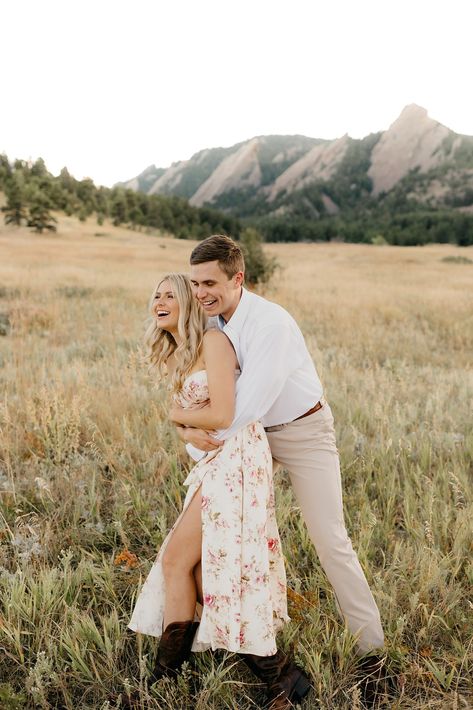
(174, 648)
(286, 684)
(374, 680)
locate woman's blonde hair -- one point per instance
(191, 326)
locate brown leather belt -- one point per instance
(278, 427)
(314, 409)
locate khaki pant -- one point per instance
(307, 449)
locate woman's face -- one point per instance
(165, 307)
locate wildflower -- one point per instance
(127, 557)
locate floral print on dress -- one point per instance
(243, 574)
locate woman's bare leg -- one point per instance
(183, 552)
(198, 582)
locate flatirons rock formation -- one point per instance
(266, 174)
(319, 163)
(251, 165)
(413, 141)
(239, 169)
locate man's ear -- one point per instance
(239, 278)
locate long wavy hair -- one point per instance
(191, 326)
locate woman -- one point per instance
(224, 551)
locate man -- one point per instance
(279, 385)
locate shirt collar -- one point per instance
(235, 324)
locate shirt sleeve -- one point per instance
(195, 453)
(268, 363)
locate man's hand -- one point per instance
(199, 438)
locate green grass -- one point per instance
(90, 468)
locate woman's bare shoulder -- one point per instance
(214, 335)
(216, 342)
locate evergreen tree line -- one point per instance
(395, 217)
(32, 193)
(405, 229)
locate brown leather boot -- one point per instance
(374, 680)
(174, 648)
(285, 682)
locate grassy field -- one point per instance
(91, 473)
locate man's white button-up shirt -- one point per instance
(278, 380)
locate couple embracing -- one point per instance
(246, 395)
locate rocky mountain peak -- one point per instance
(412, 112)
(238, 170)
(412, 141)
(266, 172)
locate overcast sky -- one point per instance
(108, 87)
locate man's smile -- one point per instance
(208, 303)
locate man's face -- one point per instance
(216, 293)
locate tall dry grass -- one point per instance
(91, 472)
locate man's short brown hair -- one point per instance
(220, 248)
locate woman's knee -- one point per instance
(184, 549)
(175, 563)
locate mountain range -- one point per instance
(416, 161)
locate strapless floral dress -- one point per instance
(243, 574)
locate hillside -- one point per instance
(409, 185)
(416, 165)
(31, 193)
(216, 171)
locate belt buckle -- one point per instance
(276, 427)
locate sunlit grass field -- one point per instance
(91, 472)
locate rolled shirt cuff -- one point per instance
(194, 452)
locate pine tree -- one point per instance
(40, 217)
(136, 217)
(14, 210)
(119, 207)
(5, 170)
(38, 168)
(101, 204)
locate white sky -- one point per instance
(108, 87)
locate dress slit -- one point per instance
(243, 575)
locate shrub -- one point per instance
(259, 266)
